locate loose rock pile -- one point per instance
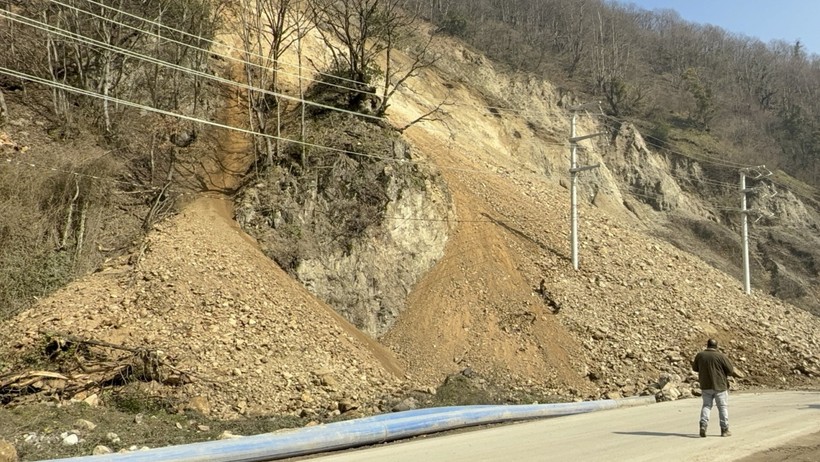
(249, 340)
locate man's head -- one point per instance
(711, 343)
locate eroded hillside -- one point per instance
(639, 308)
(502, 303)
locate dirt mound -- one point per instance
(253, 341)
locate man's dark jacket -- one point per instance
(713, 367)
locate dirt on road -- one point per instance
(803, 449)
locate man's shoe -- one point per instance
(725, 432)
(702, 431)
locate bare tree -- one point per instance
(4, 110)
(611, 57)
(267, 33)
(399, 25)
(360, 32)
(300, 19)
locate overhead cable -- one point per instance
(703, 158)
(71, 89)
(199, 38)
(213, 42)
(212, 52)
(83, 39)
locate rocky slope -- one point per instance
(250, 339)
(503, 302)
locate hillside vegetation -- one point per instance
(326, 209)
(758, 101)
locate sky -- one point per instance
(767, 20)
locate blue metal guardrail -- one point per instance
(358, 432)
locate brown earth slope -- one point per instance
(636, 310)
(253, 341)
(247, 338)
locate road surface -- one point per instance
(664, 431)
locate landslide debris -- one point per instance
(251, 340)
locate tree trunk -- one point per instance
(81, 229)
(69, 220)
(4, 111)
(106, 88)
(302, 148)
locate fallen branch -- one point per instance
(88, 369)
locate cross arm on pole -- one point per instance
(584, 168)
(583, 107)
(759, 172)
(576, 139)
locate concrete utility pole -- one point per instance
(753, 174)
(574, 170)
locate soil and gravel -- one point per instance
(805, 449)
(503, 305)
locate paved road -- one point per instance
(665, 431)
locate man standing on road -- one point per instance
(713, 368)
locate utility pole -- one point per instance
(574, 170)
(758, 173)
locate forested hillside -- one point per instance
(760, 102)
(91, 154)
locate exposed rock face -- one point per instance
(369, 284)
(685, 207)
(361, 259)
(640, 171)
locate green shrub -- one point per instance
(455, 26)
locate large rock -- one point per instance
(362, 257)
(199, 404)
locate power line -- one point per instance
(202, 39)
(199, 38)
(213, 42)
(711, 160)
(705, 181)
(703, 158)
(211, 52)
(187, 70)
(89, 41)
(633, 191)
(48, 168)
(61, 86)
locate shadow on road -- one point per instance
(682, 435)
